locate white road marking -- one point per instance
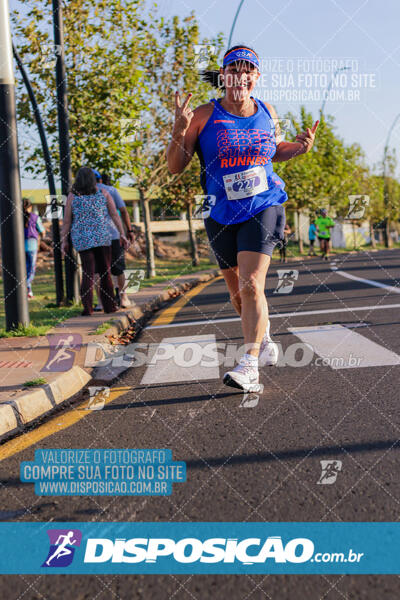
(343, 348)
(186, 358)
(390, 288)
(278, 315)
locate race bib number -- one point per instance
(245, 183)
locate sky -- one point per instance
(301, 44)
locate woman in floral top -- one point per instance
(86, 217)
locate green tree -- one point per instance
(170, 66)
(375, 210)
(326, 175)
(122, 73)
(103, 41)
(184, 187)
(391, 210)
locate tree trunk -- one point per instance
(150, 262)
(135, 211)
(389, 237)
(372, 234)
(386, 234)
(386, 223)
(194, 251)
(299, 238)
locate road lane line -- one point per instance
(174, 363)
(343, 348)
(278, 315)
(168, 314)
(390, 288)
(54, 425)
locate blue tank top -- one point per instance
(236, 170)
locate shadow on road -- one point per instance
(291, 454)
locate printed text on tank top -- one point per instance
(235, 153)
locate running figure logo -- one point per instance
(49, 53)
(62, 547)
(98, 396)
(357, 206)
(202, 55)
(330, 470)
(250, 399)
(133, 277)
(203, 205)
(287, 279)
(62, 348)
(54, 206)
(129, 129)
(282, 126)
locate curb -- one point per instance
(24, 410)
(16, 414)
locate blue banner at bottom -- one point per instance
(200, 548)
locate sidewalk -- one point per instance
(59, 356)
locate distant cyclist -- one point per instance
(324, 225)
(236, 138)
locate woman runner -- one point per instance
(236, 138)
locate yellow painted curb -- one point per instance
(55, 424)
(168, 314)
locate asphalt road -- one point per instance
(250, 457)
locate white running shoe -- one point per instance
(244, 377)
(269, 350)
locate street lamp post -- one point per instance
(50, 180)
(386, 233)
(12, 226)
(234, 23)
(330, 85)
(71, 273)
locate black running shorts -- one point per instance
(117, 258)
(260, 233)
(118, 265)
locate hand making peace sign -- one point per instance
(183, 114)
(307, 138)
